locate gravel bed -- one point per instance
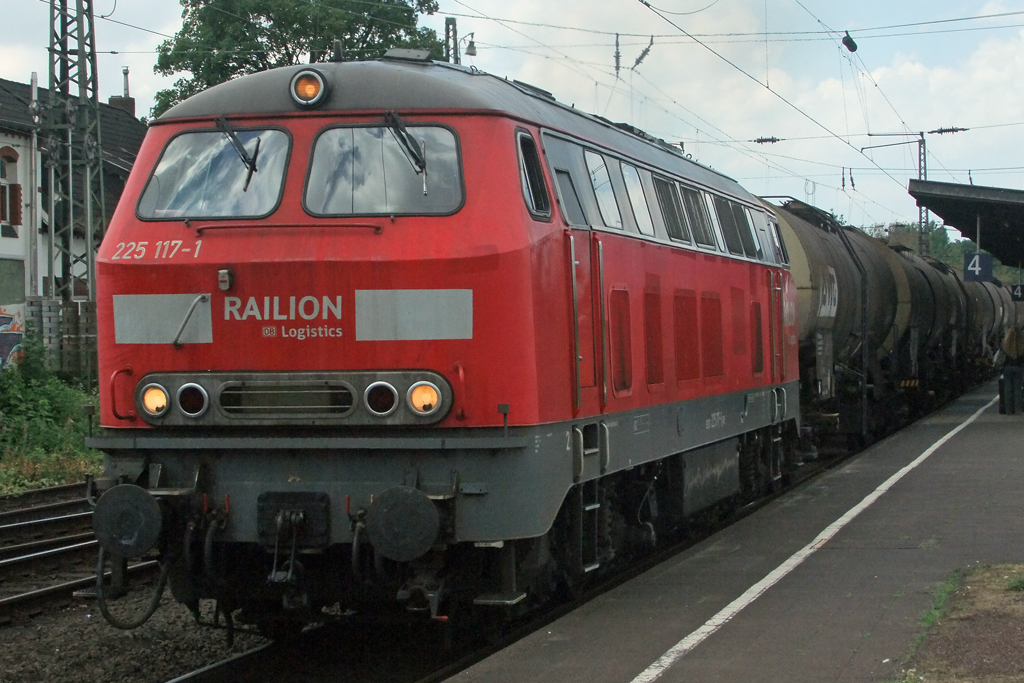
(75, 644)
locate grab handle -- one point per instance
(130, 415)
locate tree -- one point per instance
(222, 39)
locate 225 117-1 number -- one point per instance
(164, 249)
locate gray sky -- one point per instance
(720, 73)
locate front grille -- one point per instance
(287, 399)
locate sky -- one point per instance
(718, 75)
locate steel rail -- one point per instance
(43, 528)
(28, 514)
(54, 543)
(34, 497)
(15, 563)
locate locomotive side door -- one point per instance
(581, 262)
(574, 192)
(777, 325)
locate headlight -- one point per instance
(423, 398)
(381, 399)
(308, 88)
(155, 400)
(193, 400)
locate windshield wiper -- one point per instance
(416, 157)
(248, 161)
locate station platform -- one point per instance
(826, 583)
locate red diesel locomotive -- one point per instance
(400, 332)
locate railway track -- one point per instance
(47, 550)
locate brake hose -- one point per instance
(101, 599)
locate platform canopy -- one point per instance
(1000, 211)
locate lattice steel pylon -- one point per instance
(924, 240)
(74, 153)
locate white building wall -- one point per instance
(17, 253)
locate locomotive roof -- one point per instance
(408, 85)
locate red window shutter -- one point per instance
(16, 205)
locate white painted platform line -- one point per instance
(680, 649)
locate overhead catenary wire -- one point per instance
(738, 146)
(741, 38)
(822, 35)
(774, 92)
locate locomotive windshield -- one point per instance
(200, 175)
(366, 171)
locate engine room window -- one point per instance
(535, 192)
(780, 245)
(671, 209)
(637, 199)
(373, 171)
(697, 214)
(727, 219)
(602, 183)
(202, 174)
(760, 222)
(753, 234)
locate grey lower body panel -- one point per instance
(494, 485)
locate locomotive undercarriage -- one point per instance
(602, 526)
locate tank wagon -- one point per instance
(398, 333)
(885, 335)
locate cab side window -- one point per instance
(531, 176)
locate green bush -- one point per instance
(42, 427)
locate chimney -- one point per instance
(125, 102)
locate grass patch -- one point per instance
(932, 614)
(1015, 584)
(42, 428)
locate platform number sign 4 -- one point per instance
(978, 267)
(1017, 291)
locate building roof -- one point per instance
(998, 210)
(120, 133)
